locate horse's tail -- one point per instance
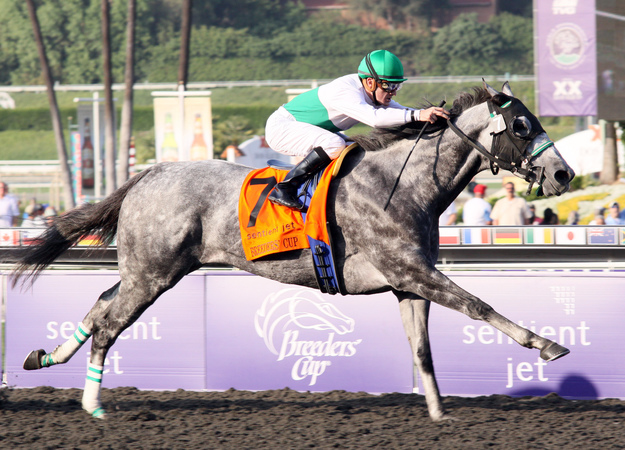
(95, 219)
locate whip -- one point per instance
(441, 104)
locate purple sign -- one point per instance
(566, 57)
(580, 310)
(266, 335)
(163, 349)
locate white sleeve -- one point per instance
(351, 103)
(356, 108)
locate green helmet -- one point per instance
(382, 65)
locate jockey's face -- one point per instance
(383, 97)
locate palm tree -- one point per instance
(185, 36)
(66, 176)
(125, 132)
(109, 127)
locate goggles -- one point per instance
(389, 87)
(521, 127)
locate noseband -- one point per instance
(515, 127)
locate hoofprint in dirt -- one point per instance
(45, 417)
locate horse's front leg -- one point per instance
(414, 315)
(436, 287)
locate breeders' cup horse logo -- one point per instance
(295, 308)
(284, 314)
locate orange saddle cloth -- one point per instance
(267, 228)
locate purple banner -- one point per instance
(297, 337)
(163, 349)
(566, 56)
(582, 311)
(217, 330)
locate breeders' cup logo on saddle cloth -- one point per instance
(301, 326)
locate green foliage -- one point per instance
(249, 39)
(230, 131)
(468, 47)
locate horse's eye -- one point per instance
(521, 127)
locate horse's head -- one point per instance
(521, 145)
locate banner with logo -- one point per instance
(221, 330)
(566, 57)
(163, 349)
(582, 311)
(297, 337)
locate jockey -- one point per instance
(309, 125)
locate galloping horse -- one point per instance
(188, 211)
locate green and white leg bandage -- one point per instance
(91, 395)
(65, 351)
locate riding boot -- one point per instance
(285, 193)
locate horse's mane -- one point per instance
(380, 138)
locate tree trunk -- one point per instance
(125, 132)
(185, 36)
(109, 113)
(66, 175)
(610, 171)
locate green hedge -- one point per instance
(38, 119)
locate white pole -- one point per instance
(97, 157)
(183, 150)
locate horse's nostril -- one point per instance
(563, 176)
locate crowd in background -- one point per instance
(35, 215)
(516, 211)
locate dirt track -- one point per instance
(52, 418)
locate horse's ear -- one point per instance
(491, 90)
(506, 89)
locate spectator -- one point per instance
(573, 218)
(614, 215)
(511, 210)
(599, 220)
(35, 218)
(599, 216)
(49, 214)
(9, 212)
(534, 220)
(449, 216)
(549, 218)
(476, 211)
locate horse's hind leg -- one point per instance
(129, 302)
(414, 314)
(38, 359)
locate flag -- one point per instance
(9, 238)
(88, 240)
(448, 236)
(29, 237)
(601, 235)
(570, 236)
(476, 236)
(539, 235)
(508, 236)
(622, 235)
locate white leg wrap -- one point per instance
(65, 351)
(91, 395)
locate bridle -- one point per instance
(515, 127)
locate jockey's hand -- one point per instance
(432, 113)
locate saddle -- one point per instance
(268, 229)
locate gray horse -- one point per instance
(174, 218)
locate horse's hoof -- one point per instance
(33, 360)
(99, 413)
(553, 351)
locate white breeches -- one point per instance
(286, 135)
